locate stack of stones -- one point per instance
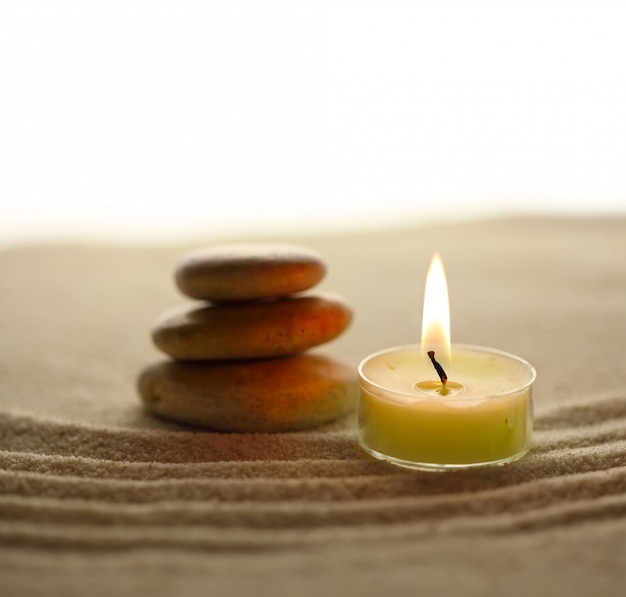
(238, 358)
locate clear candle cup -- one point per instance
(482, 415)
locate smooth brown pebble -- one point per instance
(252, 330)
(250, 396)
(249, 271)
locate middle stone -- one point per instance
(264, 329)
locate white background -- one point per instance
(152, 120)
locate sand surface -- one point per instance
(99, 498)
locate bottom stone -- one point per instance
(286, 394)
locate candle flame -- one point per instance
(436, 317)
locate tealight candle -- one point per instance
(474, 408)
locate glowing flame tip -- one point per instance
(436, 316)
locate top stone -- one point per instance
(248, 272)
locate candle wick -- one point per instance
(438, 368)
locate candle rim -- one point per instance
(485, 349)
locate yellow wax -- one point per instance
(488, 422)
